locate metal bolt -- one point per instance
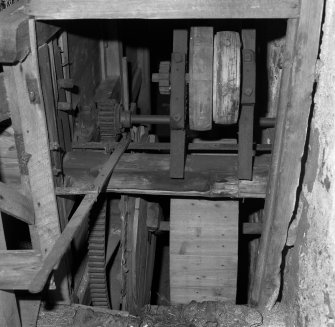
(176, 117)
(32, 96)
(248, 91)
(177, 57)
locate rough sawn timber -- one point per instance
(15, 204)
(303, 37)
(18, 267)
(162, 9)
(14, 34)
(143, 173)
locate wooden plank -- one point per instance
(293, 113)
(177, 153)
(177, 104)
(76, 221)
(226, 77)
(4, 108)
(201, 78)
(14, 35)
(163, 9)
(63, 117)
(18, 267)
(9, 314)
(45, 31)
(248, 97)
(140, 173)
(16, 204)
(203, 250)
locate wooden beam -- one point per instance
(29, 123)
(14, 34)
(76, 221)
(143, 173)
(163, 9)
(16, 204)
(4, 107)
(9, 314)
(298, 78)
(18, 268)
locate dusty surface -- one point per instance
(205, 314)
(310, 269)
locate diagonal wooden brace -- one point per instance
(61, 245)
(15, 204)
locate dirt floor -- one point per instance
(205, 314)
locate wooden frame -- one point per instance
(163, 9)
(19, 45)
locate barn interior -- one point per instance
(167, 163)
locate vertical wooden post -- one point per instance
(302, 46)
(29, 122)
(246, 122)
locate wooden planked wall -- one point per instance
(203, 250)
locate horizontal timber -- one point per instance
(18, 268)
(143, 173)
(191, 147)
(162, 9)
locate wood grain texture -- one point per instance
(29, 122)
(18, 268)
(163, 9)
(226, 77)
(203, 250)
(293, 113)
(201, 78)
(14, 35)
(79, 216)
(140, 173)
(9, 314)
(15, 204)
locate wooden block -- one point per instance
(226, 77)
(201, 78)
(203, 250)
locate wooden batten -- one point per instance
(163, 9)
